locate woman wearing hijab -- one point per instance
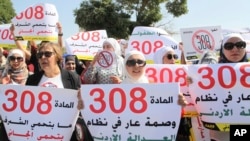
(100, 75)
(165, 55)
(233, 50)
(135, 63)
(15, 71)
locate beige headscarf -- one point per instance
(21, 73)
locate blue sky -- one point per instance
(226, 13)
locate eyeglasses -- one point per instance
(132, 63)
(45, 53)
(170, 56)
(13, 58)
(239, 45)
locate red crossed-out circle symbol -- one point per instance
(203, 40)
(106, 59)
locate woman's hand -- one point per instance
(182, 100)
(189, 80)
(95, 59)
(115, 79)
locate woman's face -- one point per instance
(47, 59)
(235, 54)
(70, 65)
(135, 66)
(16, 61)
(108, 47)
(169, 58)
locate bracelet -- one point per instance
(60, 34)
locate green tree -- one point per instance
(104, 14)
(7, 12)
(116, 17)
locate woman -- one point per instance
(165, 55)
(15, 71)
(52, 75)
(134, 70)
(135, 63)
(233, 50)
(100, 75)
(70, 63)
(31, 54)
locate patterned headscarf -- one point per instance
(16, 74)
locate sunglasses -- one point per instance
(132, 63)
(13, 58)
(45, 53)
(170, 56)
(239, 45)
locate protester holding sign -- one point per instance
(31, 54)
(101, 75)
(52, 75)
(233, 50)
(166, 55)
(15, 72)
(135, 63)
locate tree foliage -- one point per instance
(177, 7)
(7, 12)
(116, 16)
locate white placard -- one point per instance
(169, 73)
(220, 93)
(197, 40)
(132, 111)
(149, 39)
(86, 44)
(7, 39)
(38, 113)
(37, 22)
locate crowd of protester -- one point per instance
(44, 64)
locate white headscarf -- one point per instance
(231, 35)
(128, 78)
(115, 45)
(158, 55)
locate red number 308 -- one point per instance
(208, 76)
(134, 99)
(44, 99)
